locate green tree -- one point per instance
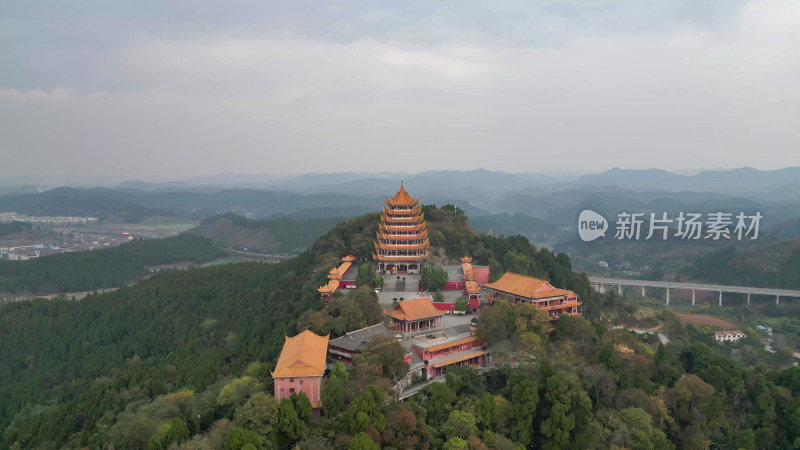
(455, 443)
(524, 395)
(235, 393)
(387, 354)
(365, 277)
(258, 414)
(487, 411)
(633, 428)
(334, 396)
(438, 399)
(433, 278)
(365, 411)
(461, 304)
(289, 423)
(459, 424)
(362, 442)
(177, 433)
(302, 405)
(238, 438)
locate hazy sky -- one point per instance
(92, 91)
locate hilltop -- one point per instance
(183, 360)
(192, 329)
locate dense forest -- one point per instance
(112, 267)
(775, 265)
(182, 360)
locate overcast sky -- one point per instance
(96, 91)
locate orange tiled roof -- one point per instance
(302, 356)
(399, 237)
(464, 357)
(402, 198)
(344, 268)
(551, 293)
(524, 286)
(419, 226)
(415, 309)
(466, 267)
(424, 245)
(336, 274)
(466, 340)
(410, 220)
(472, 287)
(329, 288)
(396, 211)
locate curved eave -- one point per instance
(403, 237)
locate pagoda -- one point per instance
(402, 242)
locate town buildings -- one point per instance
(301, 366)
(517, 288)
(401, 245)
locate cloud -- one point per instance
(379, 90)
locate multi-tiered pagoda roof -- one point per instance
(402, 242)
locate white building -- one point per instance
(729, 336)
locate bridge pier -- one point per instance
(667, 296)
(619, 288)
(600, 288)
(777, 300)
(693, 297)
(720, 298)
(748, 299)
(643, 292)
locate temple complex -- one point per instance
(336, 278)
(301, 366)
(517, 288)
(410, 316)
(402, 242)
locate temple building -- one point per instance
(474, 278)
(520, 288)
(466, 350)
(402, 243)
(434, 352)
(301, 366)
(419, 314)
(337, 278)
(343, 348)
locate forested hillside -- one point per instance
(775, 265)
(266, 236)
(182, 360)
(112, 267)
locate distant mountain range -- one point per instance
(543, 207)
